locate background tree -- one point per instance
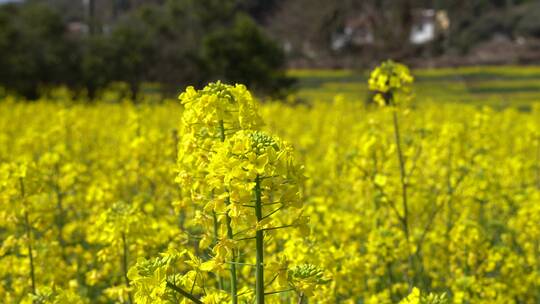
(34, 49)
(135, 42)
(242, 54)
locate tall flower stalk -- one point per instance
(28, 231)
(242, 185)
(391, 83)
(210, 116)
(259, 238)
(259, 180)
(230, 234)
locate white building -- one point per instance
(428, 23)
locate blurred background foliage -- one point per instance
(89, 45)
(172, 43)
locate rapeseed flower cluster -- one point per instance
(391, 82)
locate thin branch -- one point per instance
(246, 239)
(275, 228)
(272, 280)
(184, 293)
(279, 291)
(243, 231)
(242, 264)
(271, 213)
(390, 202)
(415, 161)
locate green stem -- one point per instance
(259, 270)
(234, 288)
(405, 217)
(60, 217)
(402, 174)
(29, 240)
(230, 234)
(125, 264)
(175, 140)
(221, 130)
(391, 280)
(216, 239)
